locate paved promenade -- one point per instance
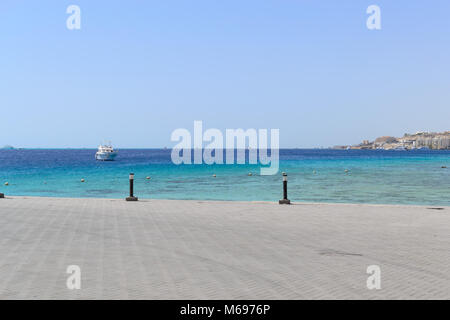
(162, 249)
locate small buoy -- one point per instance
(148, 178)
(214, 175)
(6, 183)
(249, 174)
(82, 180)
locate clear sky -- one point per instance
(137, 70)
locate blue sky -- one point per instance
(137, 70)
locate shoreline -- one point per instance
(433, 206)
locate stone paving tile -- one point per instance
(170, 249)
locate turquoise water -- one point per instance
(389, 177)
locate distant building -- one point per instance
(419, 140)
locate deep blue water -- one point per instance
(374, 176)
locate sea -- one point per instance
(417, 177)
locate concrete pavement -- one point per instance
(170, 249)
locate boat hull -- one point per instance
(105, 156)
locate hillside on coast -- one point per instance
(418, 140)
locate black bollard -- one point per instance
(131, 197)
(2, 195)
(285, 200)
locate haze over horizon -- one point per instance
(172, 143)
(137, 71)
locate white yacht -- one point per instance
(105, 153)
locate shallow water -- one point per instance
(374, 176)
